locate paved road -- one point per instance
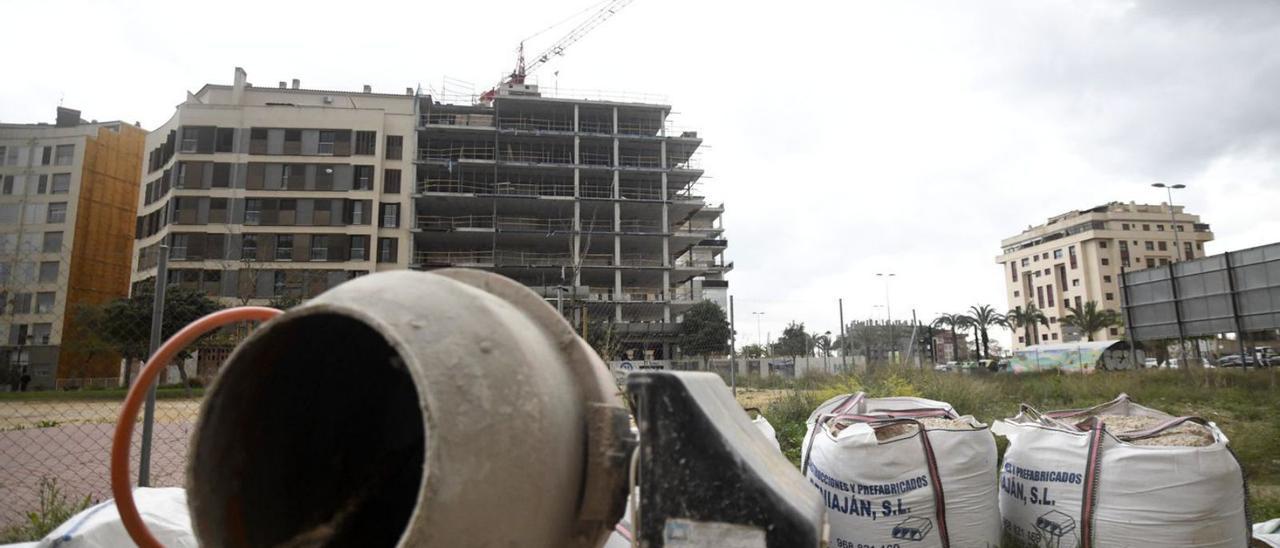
(76, 451)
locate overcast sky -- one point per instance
(845, 137)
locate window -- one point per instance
(293, 141)
(1111, 296)
(1159, 228)
(178, 246)
(1186, 248)
(21, 303)
(1150, 246)
(249, 247)
(1055, 336)
(2, 153)
(1040, 296)
(1057, 253)
(34, 213)
(44, 302)
(1106, 261)
(258, 141)
(1053, 319)
(1151, 263)
(358, 211)
(225, 139)
(364, 178)
(395, 146)
(1178, 228)
(1106, 279)
(390, 216)
(284, 247)
(1017, 293)
(61, 183)
(64, 155)
(1071, 251)
(1124, 226)
(1020, 337)
(46, 156)
(40, 333)
(1046, 272)
(1075, 282)
(42, 186)
(1124, 253)
(1013, 271)
(1146, 227)
(325, 146)
(52, 242)
(1163, 261)
(1163, 246)
(1102, 244)
(7, 187)
(1114, 331)
(1044, 336)
(1024, 261)
(221, 175)
(391, 183)
(1077, 302)
(57, 213)
(359, 248)
(387, 250)
(366, 143)
(48, 271)
(252, 211)
(1048, 293)
(319, 247)
(190, 139)
(217, 210)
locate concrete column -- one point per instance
(576, 239)
(615, 120)
(575, 118)
(617, 292)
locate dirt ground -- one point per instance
(70, 441)
(759, 398)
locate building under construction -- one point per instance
(265, 192)
(593, 203)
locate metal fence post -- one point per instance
(149, 411)
(733, 352)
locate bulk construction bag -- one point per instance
(902, 472)
(1120, 474)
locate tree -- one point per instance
(124, 325)
(793, 342)
(704, 331)
(951, 322)
(1089, 319)
(603, 339)
(823, 344)
(1027, 319)
(982, 317)
(754, 351)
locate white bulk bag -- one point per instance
(1139, 495)
(885, 492)
(767, 430)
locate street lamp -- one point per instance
(888, 312)
(1173, 221)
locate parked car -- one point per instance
(1150, 363)
(1234, 360)
(1174, 363)
(949, 366)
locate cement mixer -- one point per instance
(457, 408)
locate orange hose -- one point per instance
(120, 484)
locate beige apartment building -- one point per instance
(1077, 257)
(67, 194)
(267, 192)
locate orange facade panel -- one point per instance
(102, 246)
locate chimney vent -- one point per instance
(408, 91)
(368, 88)
(284, 85)
(296, 83)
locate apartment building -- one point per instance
(284, 191)
(1077, 257)
(276, 192)
(67, 195)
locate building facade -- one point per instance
(264, 193)
(67, 195)
(1078, 256)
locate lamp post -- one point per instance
(888, 313)
(1173, 220)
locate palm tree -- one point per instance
(1028, 319)
(982, 317)
(951, 322)
(1089, 319)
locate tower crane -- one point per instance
(557, 48)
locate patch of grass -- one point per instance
(1244, 404)
(55, 508)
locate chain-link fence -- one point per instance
(62, 386)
